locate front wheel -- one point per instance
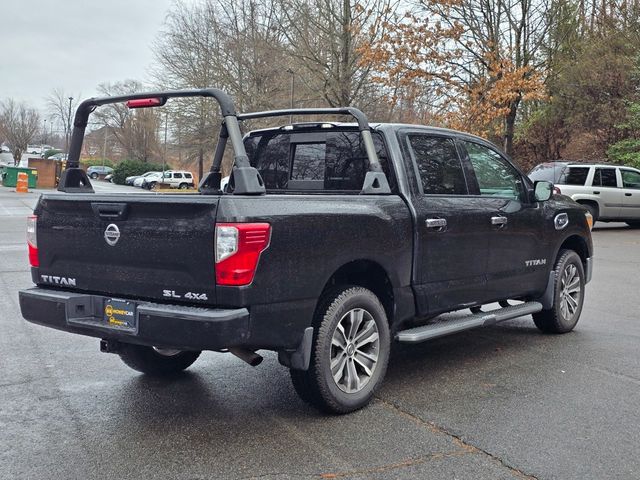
(94, 176)
(350, 351)
(183, 186)
(568, 297)
(155, 361)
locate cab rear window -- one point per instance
(331, 160)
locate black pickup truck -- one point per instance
(330, 241)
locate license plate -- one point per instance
(120, 314)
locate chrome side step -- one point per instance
(454, 322)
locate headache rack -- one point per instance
(245, 179)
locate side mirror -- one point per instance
(543, 190)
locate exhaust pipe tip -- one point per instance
(248, 356)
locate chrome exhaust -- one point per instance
(249, 356)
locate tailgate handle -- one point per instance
(110, 211)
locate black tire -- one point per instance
(94, 176)
(183, 186)
(559, 318)
(151, 185)
(148, 360)
(347, 305)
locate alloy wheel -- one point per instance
(355, 347)
(570, 292)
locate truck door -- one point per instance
(631, 194)
(518, 261)
(605, 187)
(451, 242)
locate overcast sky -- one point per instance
(74, 45)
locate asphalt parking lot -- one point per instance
(505, 402)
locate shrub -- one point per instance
(128, 168)
(94, 162)
(53, 151)
(626, 151)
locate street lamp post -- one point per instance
(104, 146)
(68, 127)
(44, 137)
(164, 153)
(293, 80)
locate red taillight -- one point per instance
(32, 240)
(238, 248)
(145, 102)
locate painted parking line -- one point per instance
(15, 247)
(15, 211)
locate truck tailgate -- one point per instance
(139, 246)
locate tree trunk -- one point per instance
(509, 128)
(345, 73)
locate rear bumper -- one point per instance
(186, 328)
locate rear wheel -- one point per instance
(151, 185)
(183, 186)
(155, 361)
(350, 352)
(568, 295)
(94, 175)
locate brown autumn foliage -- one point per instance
(475, 76)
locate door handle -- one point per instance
(438, 223)
(627, 194)
(499, 221)
(596, 193)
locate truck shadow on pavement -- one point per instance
(221, 386)
(222, 411)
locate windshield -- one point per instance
(549, 172)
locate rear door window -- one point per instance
(438, 164)
(605, 177)
(574, 176)
(177, 175)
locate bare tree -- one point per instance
(62, 107)
(19, 124)
(235, 45)
(325, 37)
(135, 130)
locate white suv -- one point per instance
(174, 178)
(610, 192)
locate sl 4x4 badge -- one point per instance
(536, 262)
(188, 295)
